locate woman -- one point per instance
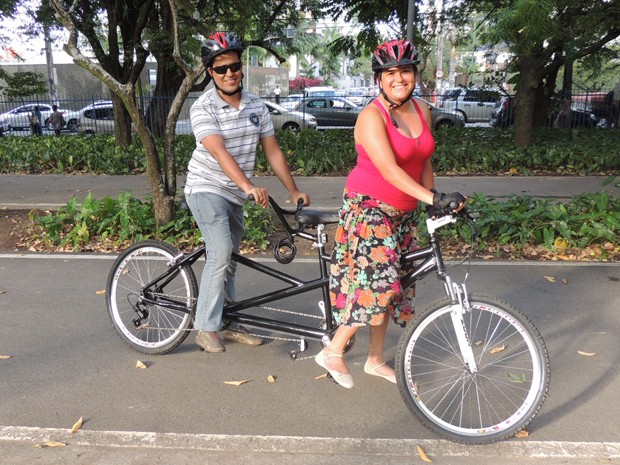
(394, 171)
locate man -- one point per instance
(277, 92)
(56, 120)
(228, 124)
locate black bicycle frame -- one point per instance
(153, 291)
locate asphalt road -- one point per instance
(67, 362)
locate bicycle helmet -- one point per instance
(218, 43)
(394, 53)
(391, 54)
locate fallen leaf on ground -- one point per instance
(271, 379)
(324, 375)
(423, 455)
(522, 434)
(50, 444)
(4, 357)
(237, 383)
(78, 424)
(2, 292)
(140, 365)
(102, 291)
(586, 354)
(564, 280)
(551, 279)
(497, 349)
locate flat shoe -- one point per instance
(345, 380)
(373, 371)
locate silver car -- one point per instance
(289, 119)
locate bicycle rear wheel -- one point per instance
(142, 323)
(474, 408)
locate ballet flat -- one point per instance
(345, 380)
(373, 371)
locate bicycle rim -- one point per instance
(497, 401)
(158, 329)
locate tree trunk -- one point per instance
(525, 101)
(122, 123)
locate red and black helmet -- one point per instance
(394, 53)
(218, 43)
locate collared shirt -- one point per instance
(242, 129)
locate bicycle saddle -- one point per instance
(314, 217)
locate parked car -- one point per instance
(289, 119)
(503, 116)
(19, 118)
(97, 118)
(357, 96)
(290, 101)
(476, 105)
(439, 116)
(73, 117)
(330, 111)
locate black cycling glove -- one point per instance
(447, 202)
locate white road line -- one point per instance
(309, 445)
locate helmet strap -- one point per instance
(392, 104)
(225, 92)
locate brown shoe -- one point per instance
(241, 335)
(209, 341)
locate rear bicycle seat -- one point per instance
(316, 217)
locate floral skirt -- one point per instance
(365, 281)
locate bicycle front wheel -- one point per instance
(491, 404)
(150, 307)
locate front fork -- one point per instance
(458, 308)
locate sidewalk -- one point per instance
(52, 191)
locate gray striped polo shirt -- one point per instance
(241, 130)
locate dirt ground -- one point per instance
(13, 230)
(15, 235)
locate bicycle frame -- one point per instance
(431, 256)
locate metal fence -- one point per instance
(293, 112)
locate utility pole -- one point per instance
(410, 19)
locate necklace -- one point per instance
(406, 128)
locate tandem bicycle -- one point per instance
(469, 367)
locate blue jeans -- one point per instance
(221, 224)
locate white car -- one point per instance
(74, 118)
(97, 118)
(289, 119)
(19, 118)
(475, 105)
(290, 101)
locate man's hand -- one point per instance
(300, 195)
(261, 196)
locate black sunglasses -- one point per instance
(234, 67)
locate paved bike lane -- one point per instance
(52, 191)
(68, 363)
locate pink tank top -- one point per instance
(410, 153)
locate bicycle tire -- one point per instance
(159, 330)
(505, 394)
